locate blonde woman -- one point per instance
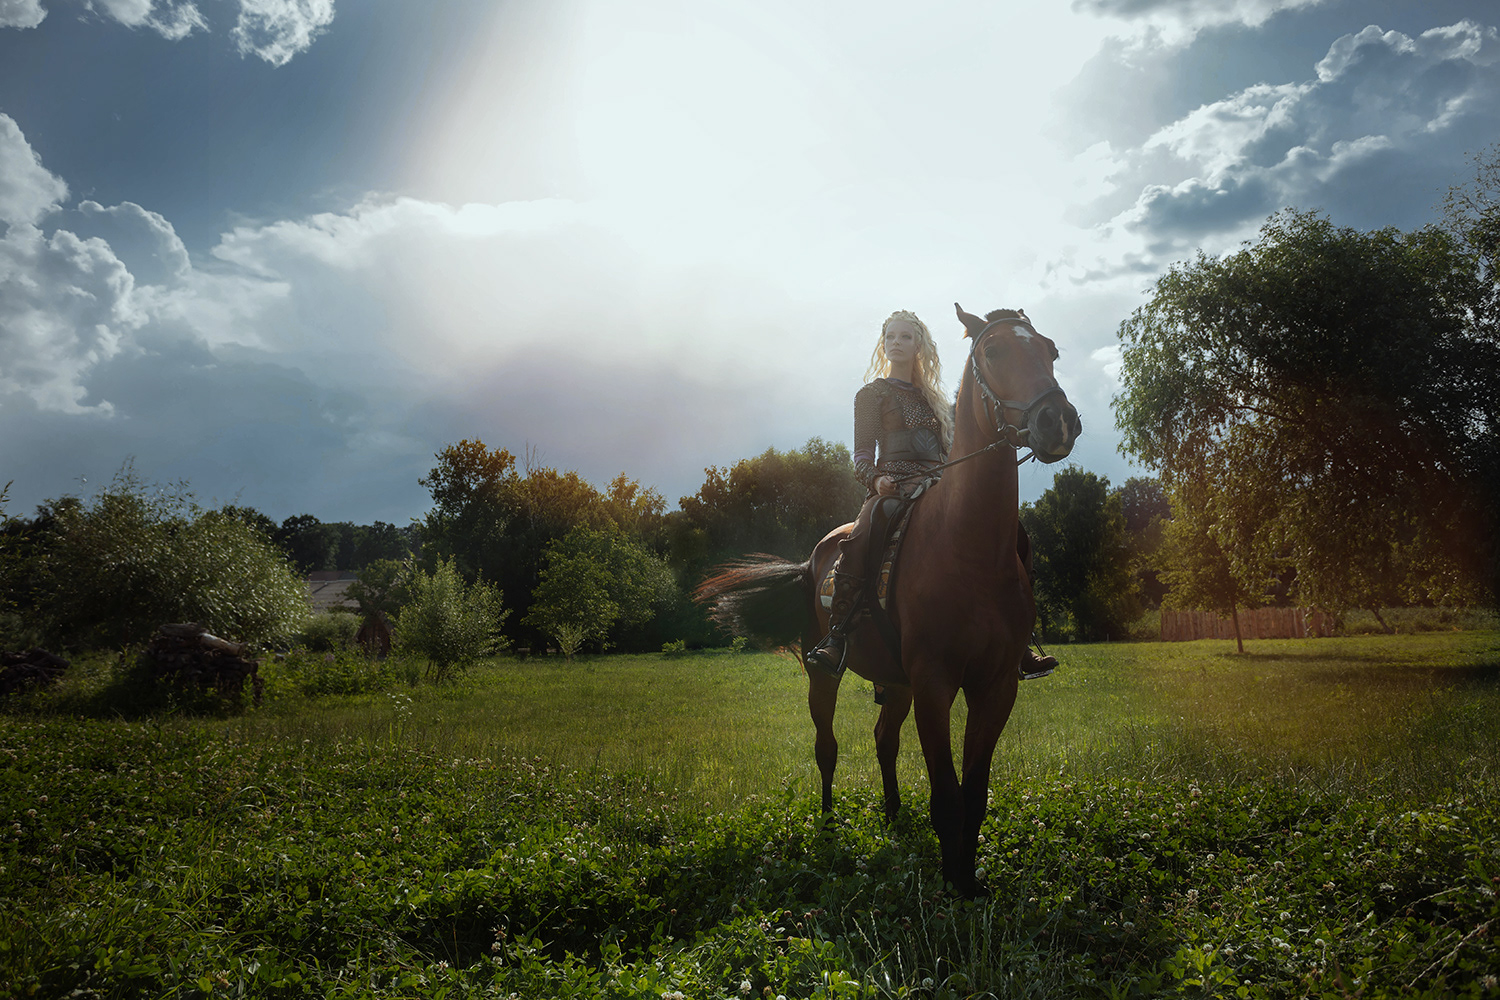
(902, 427)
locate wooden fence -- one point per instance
(1255, 623)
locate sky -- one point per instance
(287, 250)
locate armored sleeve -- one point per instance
(866, 432)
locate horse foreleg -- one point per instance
(989, 709)
(946, 806)
(888, 745)
(822, 699)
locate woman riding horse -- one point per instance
(903, 428)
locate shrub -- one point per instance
(136, 557)
(569, 638)
(678, 648)
(449, 623)
(329, 632)
(343, 672)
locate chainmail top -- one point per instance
(870, 419)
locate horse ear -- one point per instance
(972, 324)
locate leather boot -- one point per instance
(828, 656)
(1036, 664)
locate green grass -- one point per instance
(1312, 818)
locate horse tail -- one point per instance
(761, 597)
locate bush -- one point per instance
(678, 648)
(343, 672)
(136, 557)
(449, 623)
(329, 632)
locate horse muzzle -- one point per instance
(1052, 430)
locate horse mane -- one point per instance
(995, 314)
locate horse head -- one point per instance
(1017, 395)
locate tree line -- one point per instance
(1320, 410)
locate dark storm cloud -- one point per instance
(1379, 129)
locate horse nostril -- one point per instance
(1047, 419)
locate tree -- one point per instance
(311, 544)
(573, 604)
(1195, 559)
(1328, 384)
(600, 583)
(776, 502)
(449, 622)
(1147, 510)
(136, 557)
(497, 522)
(1081, 568)
(251, 517)
(382, 588)
(1472, 214)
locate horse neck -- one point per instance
(980, 496)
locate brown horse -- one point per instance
(963, 606)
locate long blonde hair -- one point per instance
(926, 371)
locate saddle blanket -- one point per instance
(887, 572)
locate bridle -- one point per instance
(1011, 435)
(1014, 434)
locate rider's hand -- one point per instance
(885, 486)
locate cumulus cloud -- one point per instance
(65, 305)
(21, 13)
(172, 20)
(273, 30)
(317, 363)
(1178, 22)
(1382, 110)
(28, 190)
(277, 30)
(144, 240)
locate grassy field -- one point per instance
(1314, 818)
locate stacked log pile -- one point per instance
(34, 668)
(188, 656)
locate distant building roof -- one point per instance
(326, 588)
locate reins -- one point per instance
(1001, 405)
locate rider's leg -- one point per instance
(1035, 663)
(848, 581)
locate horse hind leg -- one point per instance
(822, 699)
(888, 745)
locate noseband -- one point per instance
(1014, 434)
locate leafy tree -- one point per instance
(1331, 386)
(600, 582)
(377, 542)
(497, 521)
(1146, 509)
(573, 604)
(449, 622)
(251, 517)
(134, 558)
(382, 588)
(1081, 566)
(1195, 556)
(776, 502)
(311, 544)
(1472, 214)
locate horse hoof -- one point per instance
(970, 888)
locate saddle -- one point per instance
(887, 531)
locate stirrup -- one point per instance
(1041, 663)
(813, 661)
